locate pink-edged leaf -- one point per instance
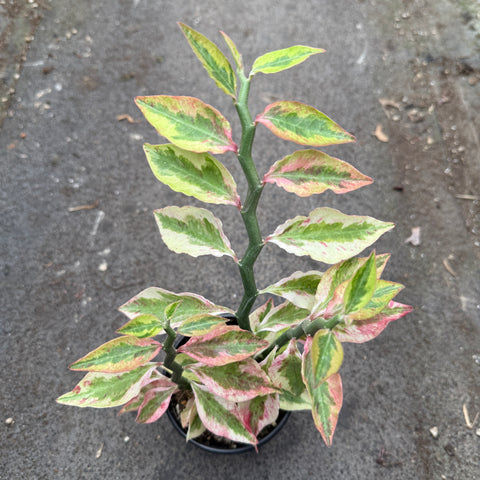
(118, 355)
(134, 404)
(221, 416)
(259, 412)
(103, 390)
(257, 316)
(286, 374)
(154, 301)
(364, 330)
(326, 397)
(237, 382)
(156, 400)
(361, 286)
(222, 345)
(194, 231)
(299, 288)
(328, 235)
(302, 124)
(309, 172)
(285, 315)
(188, 123)
(199, 175)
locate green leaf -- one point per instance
(328, 235)
(213, 60)
(299, 288)
(257, 316)
(188, 123)
(234, 51)
(308, 172)
(361, 287)
(103, 390)
(220, 416)
(326, 355)
(326, 397)
(224, 344)
(285, 373)
(143, 326)
(302, 124)
(154, 300)
(361, 331)
(285, 315)
(279, 60)
(194, 231)
(237, 381)
(199, 325)
(118, 355)
(198, 175)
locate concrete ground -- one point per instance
(69, 71)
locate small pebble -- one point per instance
(103, 266)
(434, 432)
(11, 421)
(126, 439)
(477, 432)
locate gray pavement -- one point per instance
(66, 270)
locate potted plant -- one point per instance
(235, 370)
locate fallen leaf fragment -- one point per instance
(126, 117)
(448, 267)
(414, 238)
(99, 451)
(380, 134)
(467, 197)
(83, 207)
(386, 102)
(468, 422)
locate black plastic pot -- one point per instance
(232, 448)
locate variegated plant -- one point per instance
(234, 378)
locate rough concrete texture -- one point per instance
(65, 272)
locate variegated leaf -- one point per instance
(364, 330)
(299, 288)
(154, 300)
(233, 50)
(237, 382)
(338, 274)
(134, 404)
(384, 292)
(103, 390)
(199, 325)
(285, 373)
(156, 401)
(143, 326)
(326, 397)
(302, 124)
(309, 172)
(361, 287)
(118, 355)
(190, 420)
(326, 355)
(257, 316)
(222, 345)
(221, 417)
(198, 175)
(328, 235)
(259, 412)
(278, 60)
(213, 60)
(194, 231)
(285, 315)
(188, 123)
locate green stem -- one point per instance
(307, 327)
(249, 208)
(170, 355)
